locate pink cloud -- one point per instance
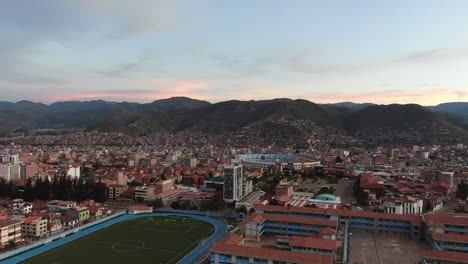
(426, 97)
(165, 88)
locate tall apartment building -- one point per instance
(233, 183)
(5, 170)
(122, 179)
(34, 228)
(28, 171)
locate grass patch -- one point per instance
(152, 239)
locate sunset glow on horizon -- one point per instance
(322, 51)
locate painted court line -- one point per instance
(152, 249)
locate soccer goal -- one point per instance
(170, 221)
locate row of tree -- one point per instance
(462, 190)
(61, 188)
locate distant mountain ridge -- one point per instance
(281, 116)
(353, 106)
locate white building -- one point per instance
(405, 205)
(74, 171)
(6, 170)
(15, 159)
(34, 228)
(10, 231)
(233, 183)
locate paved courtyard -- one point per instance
(369, 249)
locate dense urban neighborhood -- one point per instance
(293, 205)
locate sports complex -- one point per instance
(264, 161)
(159, 237)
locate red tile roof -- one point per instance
(313, 242)
(31, 219)
(449, 237)
(440, 220)
(271, 254)
(5, 223)
(233, 239)
(414, 219)
(295, 219)
(257, 218)
(327, 231)
(140, 207)
(456, 257)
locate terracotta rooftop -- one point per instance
(140, 207)
(4, 223)
(259, 218)
(455, 257)
(271, 254)
(327, 231)
(451, 237)
(313, 242)
(441, 220)
(31, 219)
(415, 220)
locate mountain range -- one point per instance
(286, 115)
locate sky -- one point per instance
(323, 51)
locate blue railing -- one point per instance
(346, 244)
(205, 213)
(64, 236)
(40, 247)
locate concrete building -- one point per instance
(114, 190)
(144, 192)
(34, 228)
(74, 171)
(10, 231)
(122, 179)
(285, 225)
(382, 223)
(28, 171)
(404, 205)
(233, 183)
(5, 170)
(79, 212)
(446, 177)
(233, 249)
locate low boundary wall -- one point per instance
(42, 246)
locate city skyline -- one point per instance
(325, 52)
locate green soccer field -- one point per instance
(143, 240)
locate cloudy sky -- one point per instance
(323, 51)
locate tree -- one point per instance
(28, 194)
(462, 190)
(175, 205)
(54, 187)
(12, 191)
(44, 190)
(252, 210)
(158, 203)
(3, 189)
(274, 202)
(241, 209)
(99, 192)
(10, 244)
(37, 187)
(338, 159)
(186, 205)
